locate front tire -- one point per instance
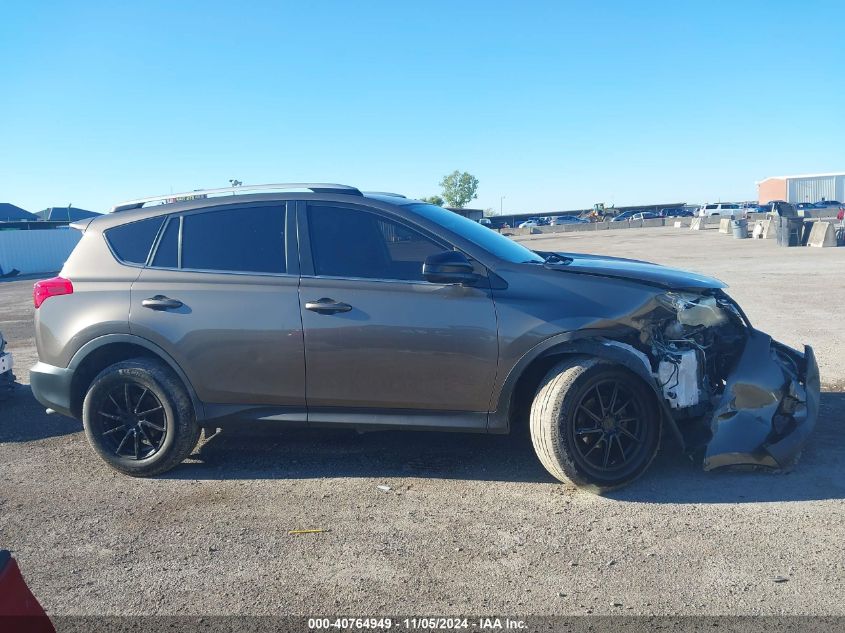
(594, 424)
(139, 419)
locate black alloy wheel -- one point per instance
(609, 428)
(132, 421)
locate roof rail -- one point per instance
(205, 193)
(384, 193)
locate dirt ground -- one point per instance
(469, 524)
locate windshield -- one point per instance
(497, 244)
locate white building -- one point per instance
(803, 188)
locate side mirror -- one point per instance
(449, 267)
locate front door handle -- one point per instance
(160, 302)
(327, 306)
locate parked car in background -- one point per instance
(498, 224)
(645, 215)
(675, 212)
(729, 209)
(779, 208)
(531, 222)
(802, 206)
(625, 215)
(826, 204)
(7, 378)
(485, 222)
(559, 220)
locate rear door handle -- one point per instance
(327, 306)
(160, 302)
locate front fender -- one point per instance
(589, 343)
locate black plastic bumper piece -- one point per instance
(51, 386)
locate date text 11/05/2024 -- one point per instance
(418, 623)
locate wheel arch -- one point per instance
(524, 379)
(106, 350)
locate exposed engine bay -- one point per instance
(728, 388)
(695, 347)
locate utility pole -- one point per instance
(501, 204)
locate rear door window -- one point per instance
(131, 243)
(242, 239)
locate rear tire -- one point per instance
(139, 418)
(594, 424)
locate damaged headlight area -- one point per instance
(694, 341)
(745, 399)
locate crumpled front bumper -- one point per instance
(768, 409)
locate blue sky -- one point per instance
(554, 105)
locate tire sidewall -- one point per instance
(552, 420)
(97, 394)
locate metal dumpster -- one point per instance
(789, 231)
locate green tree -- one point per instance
(435, 199)
(459, 188)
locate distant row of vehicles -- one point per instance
(559, 220)
(670, 212)
(726, 209)
(731, 209)
(555, 220)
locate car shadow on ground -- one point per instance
(277, 453)
(672, 478)
(23, 419)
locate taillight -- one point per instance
(46, 288)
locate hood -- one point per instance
(634, 270)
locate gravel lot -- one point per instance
(470, 524)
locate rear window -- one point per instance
(131, 242)
(730, 206)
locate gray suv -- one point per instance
(324, 306)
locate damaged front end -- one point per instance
(731, 390)
(768, 407)
(727, 390)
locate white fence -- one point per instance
(41, 251)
